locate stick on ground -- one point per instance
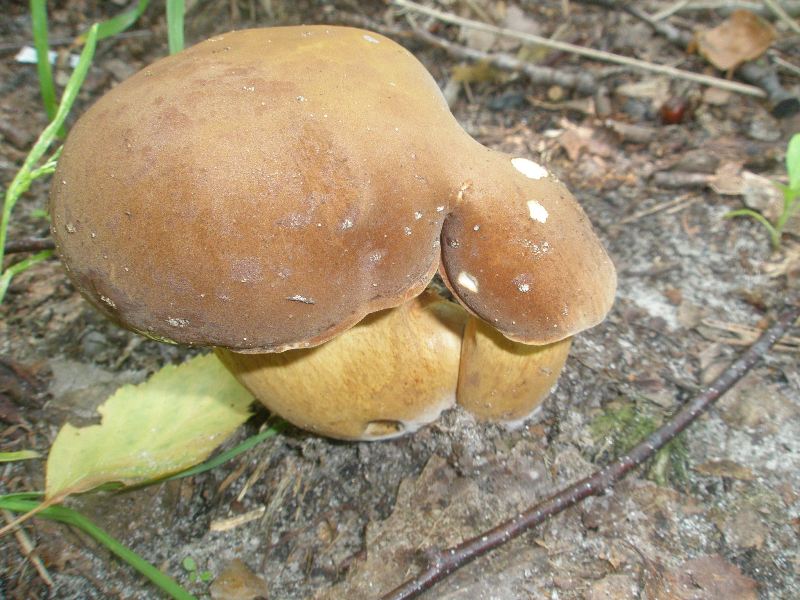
(444, 562)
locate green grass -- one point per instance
(30, 501)
(791, 197)
(40, 42)
(32, 170)
(27, 502)
(623, 425)
(175, 11)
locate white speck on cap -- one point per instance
(530, 169)
(467, 281)
(537, 211)
(370, 39)
(177, 322)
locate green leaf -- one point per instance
(189, 564)
(793, 162)
(20, 455)
(149, 431)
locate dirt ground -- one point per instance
(719, 517)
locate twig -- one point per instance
(583, 82)
(670, 10)
(29, 245)
(726, 7)
(583, 51)
(792, 68)
(782, 15)
(679, 203)
(784, 103)
(744, 335)
(681, 180)
(28, 550)
(444, 562)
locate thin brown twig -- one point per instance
(601, 55)
(443, 562)
(582, 82)
(29, 245)
(28, 550)
(783, 102)
(782, 15)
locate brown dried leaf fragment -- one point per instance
(741, 37)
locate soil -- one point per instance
(718, 517)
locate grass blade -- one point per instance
(22, 504)
(46, 85)
(175, 11)
(22, 180)
(232, 453)
(18, 455)
(118, 23)
(19, 267)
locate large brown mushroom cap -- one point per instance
(262, 190)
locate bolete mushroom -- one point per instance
(266, 190)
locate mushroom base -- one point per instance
(398, 369)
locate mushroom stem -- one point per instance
(505, 381)
(392, 373)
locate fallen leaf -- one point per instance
(727, 180)
(744, 530)
(741, 37)
(725, 468)
(702, 578)
(171, 422)
(238, 582)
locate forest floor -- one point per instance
(719, 517)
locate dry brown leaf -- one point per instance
(238, 582)
(727, 180)
(741, 37)
(725, 468)
(702, 578)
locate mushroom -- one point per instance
(266, 190)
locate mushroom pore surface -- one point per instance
(268, 188)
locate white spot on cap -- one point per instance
(108, 301)
(417, 215)
(177, 322)
(347, 224)
(537, 211)
(370, 39)
(530, 169)
(523, 283)
(467, 281)
(407, 230)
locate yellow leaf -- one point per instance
(167, 424)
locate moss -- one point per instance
(622, 425)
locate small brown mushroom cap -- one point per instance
(519, 252)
